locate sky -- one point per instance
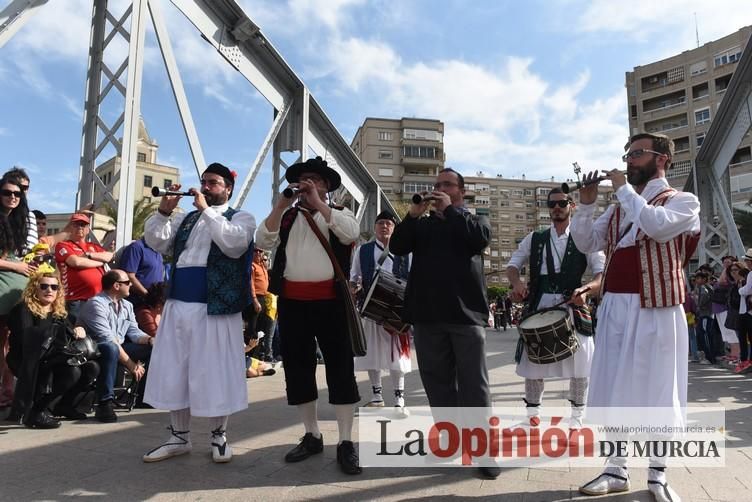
(522, 87)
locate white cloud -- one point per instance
(647, 19)
(4, 131)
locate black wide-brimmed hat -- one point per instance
(317, 166)
(387, 215)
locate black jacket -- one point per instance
(446, 283)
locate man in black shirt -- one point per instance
(445, 299)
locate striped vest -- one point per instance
(661, 264)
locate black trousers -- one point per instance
(301, 325)
(67, 381)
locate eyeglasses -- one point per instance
(44, 286)
(444, 184)
(25, 188)
(11, 193)
(561, 203)
(125, 283)
(211, 183)
(636, 154)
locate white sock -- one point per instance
(533, 390)
(375, 377)
(181, 420)
(344, 413)
(398, 382)
(308, 414)
(218, 423)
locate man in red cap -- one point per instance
(81, 264)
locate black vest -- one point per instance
(569, 277)
(276, 275)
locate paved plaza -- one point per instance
(96, 461)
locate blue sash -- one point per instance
(189, 285)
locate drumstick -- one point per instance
(565, 301)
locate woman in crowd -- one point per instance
(39, 328)
(149, 313)
(738, 298)
(14, 232)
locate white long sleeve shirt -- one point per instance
(596, 260)
(680, 214)
(307, 261)
(232, 236)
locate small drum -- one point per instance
(385, 301)
(548, 336)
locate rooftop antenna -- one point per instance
(697, 32)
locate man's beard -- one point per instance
(643, 175)
(214, 199)
(562, 216)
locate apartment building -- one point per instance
(405, 155)
(679, 96)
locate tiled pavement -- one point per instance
(103, 461)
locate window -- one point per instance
(700, 91)
(702, 116)
(421, 134)
(385, 154)
(147, 181)
(421, 152)
(141, 157)
(385, 136)
(727, 57)
(418, 187)
(167, 183)
(699, 138)
(529, 192)
(698, 68)
(633, 111)
(384, 171)
(517, 193)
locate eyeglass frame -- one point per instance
(44, 286)
(553, 203)
(11, 193)
(127, 283)
(636, 154)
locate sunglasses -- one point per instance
(561, 203)
(127, 283)
(44, 286)
(25, 188)
(11, 193)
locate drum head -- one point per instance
(543, 318)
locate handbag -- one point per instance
(352, 317)
(71, 350)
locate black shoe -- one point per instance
(69, 412)
(41, 420)
(106, 412)
(308, 446)
(347, 458)
(490, 472)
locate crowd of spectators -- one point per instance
(719, 314)
(57, 290)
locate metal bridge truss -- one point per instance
(298, 123)
(711, 180)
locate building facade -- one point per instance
(405, 156)
(149, 172)
(679, 96)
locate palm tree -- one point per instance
(141, 212)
